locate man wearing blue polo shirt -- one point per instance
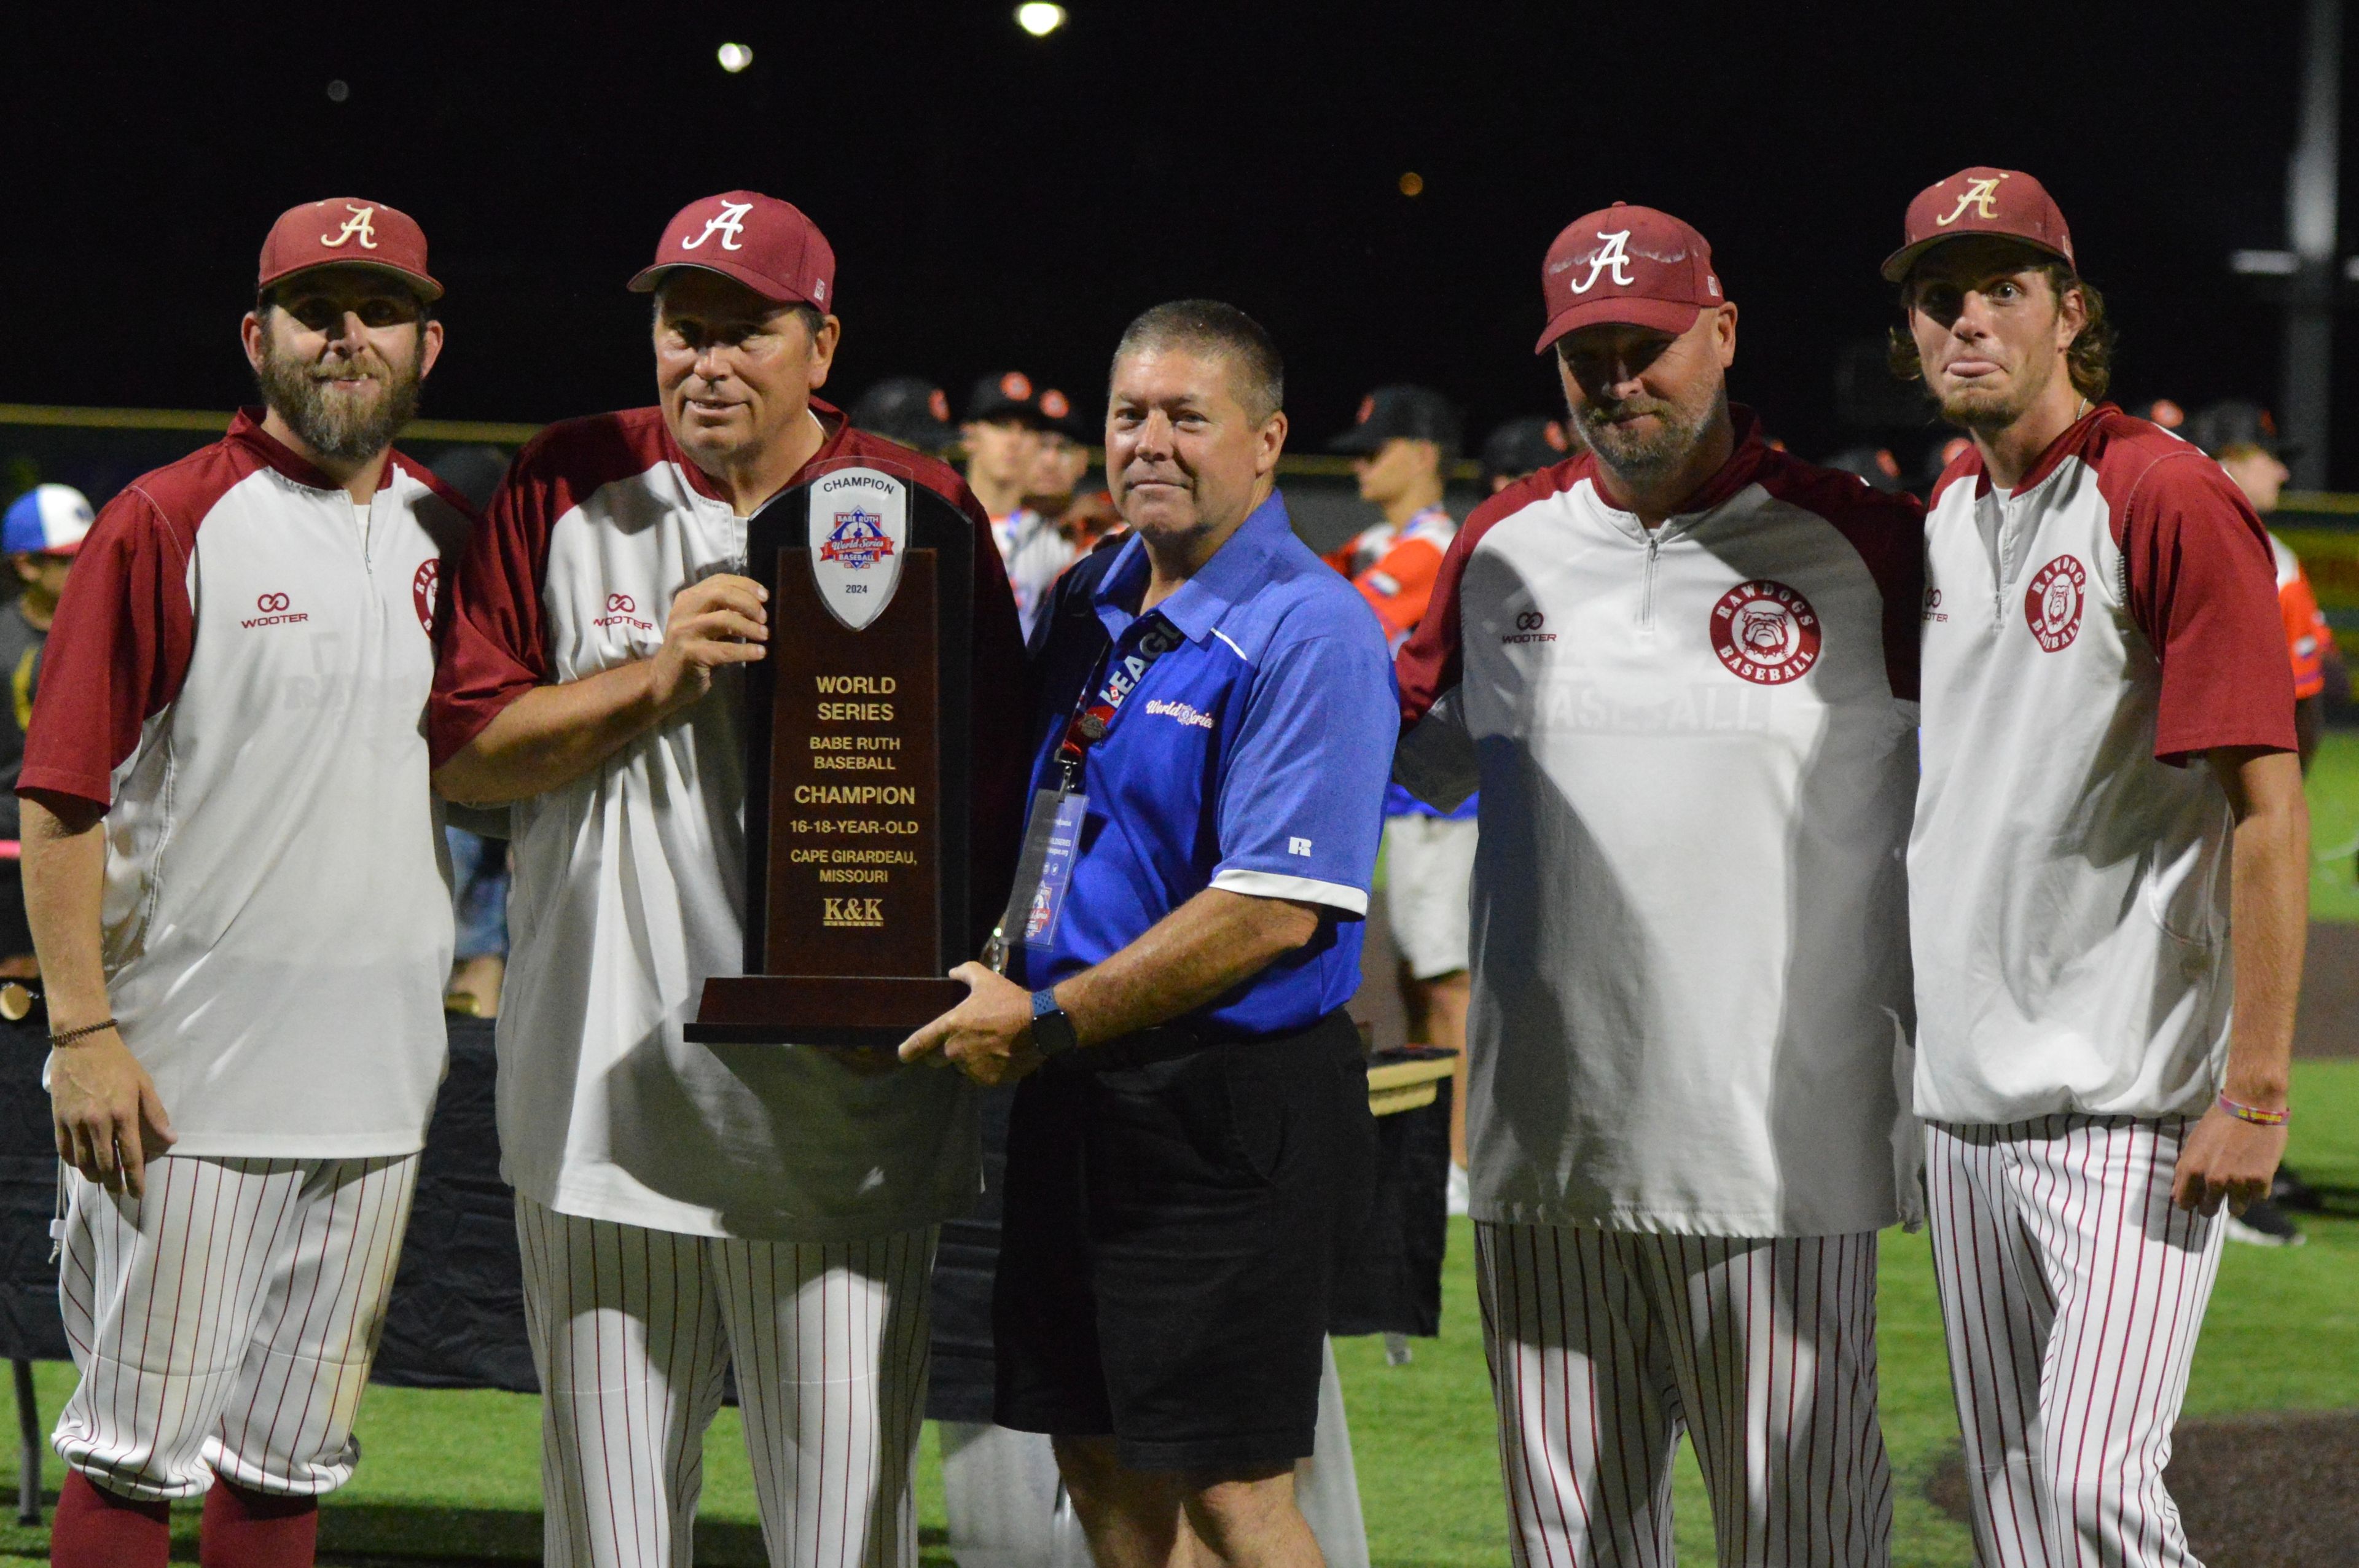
(1192, 1134)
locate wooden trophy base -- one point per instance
(855, 1010)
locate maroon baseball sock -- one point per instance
(95, 1528)
(244, 1529)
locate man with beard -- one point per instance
(233, 879)
(1681, 668)
(2109, 774)
(684, 1207)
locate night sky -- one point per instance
(996, 199)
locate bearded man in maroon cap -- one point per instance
(682, 1208)
(1681, 669)
(233, 875)
(2110, 773)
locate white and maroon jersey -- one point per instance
(238, 675)
(1695, 747)
(629, 881)
(2088, 635)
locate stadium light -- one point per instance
(1040, 18)
(2264, 263)
(735, 57)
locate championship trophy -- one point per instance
(859, 763)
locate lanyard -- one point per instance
(1115, 676)
(1052, 834)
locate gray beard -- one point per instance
(1646, 458)
(336, 427)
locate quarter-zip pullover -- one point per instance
(2086, 635)
(1693, 743)
(238, 674)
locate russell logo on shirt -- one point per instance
(2052, 604)
(1766, 632)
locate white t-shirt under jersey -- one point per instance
(1695, 748)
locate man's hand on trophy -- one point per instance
(721, 621)
(988, 1036)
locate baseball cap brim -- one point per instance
(1623, 309)
(426, 288)
(1898, 265)
(644, 280)
(1361, 440)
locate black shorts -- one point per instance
(1174, 1214)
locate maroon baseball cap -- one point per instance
(2002, 201)
(347, 230)
(764, 243)
(1630, 265)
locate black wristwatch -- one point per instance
(1052, 1031)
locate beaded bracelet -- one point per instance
(71, 1035)
(2254, 1113)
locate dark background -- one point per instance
(996, 199)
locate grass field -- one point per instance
(459, 1472)
(2335, 828)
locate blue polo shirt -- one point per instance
(1252, 756)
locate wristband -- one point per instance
(71, 1035)
(1052, 1031)
(2254, 1113)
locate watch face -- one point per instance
(1052, 1031)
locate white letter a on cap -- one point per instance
(730, 222)
(357, 227)
(1613, 255)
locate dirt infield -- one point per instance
(2256, 1491)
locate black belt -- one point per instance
(1168, 1042)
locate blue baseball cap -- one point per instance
(47, 520)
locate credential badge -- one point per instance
(859, 534)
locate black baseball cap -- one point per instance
(1009, 397)
(2235, 422)
(1413, 413)
(1527, 446)
(909, 409)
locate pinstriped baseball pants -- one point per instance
(2071, 1294)
(1604, 1345)
(224, 1323)
(631, 1329)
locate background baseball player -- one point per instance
(2242, 438)
(2108, 775)
(234, 877)
(1682, 668)
(1521, 448)
(42, 530)
(682, 1207)
(1010, 424)
(1402, 441)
